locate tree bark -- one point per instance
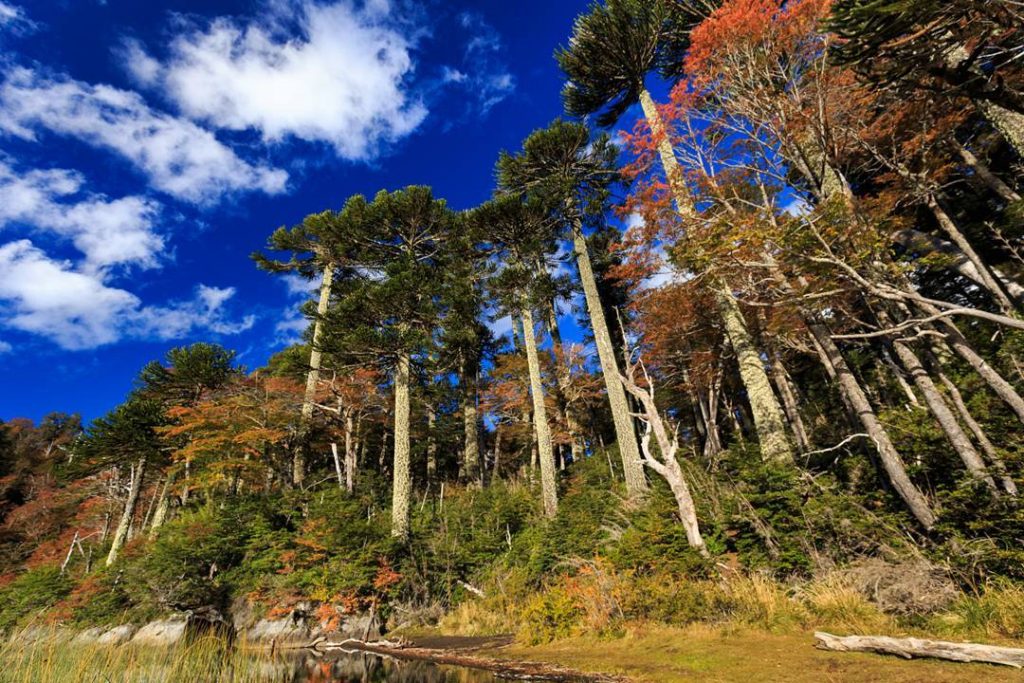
(471, 423)
(337, 465)
(769, 422)
(632, 465)
(134, 488)
(312, 377)
(163, 507)
(549, 490)
(350, 454)
(431, 443)
(401, 477)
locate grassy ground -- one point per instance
(702, 653)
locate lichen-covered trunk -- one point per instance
(134, 488)
(892, 462)
(767, 413)
(549, 491)
(312, 377)
(1010, 124)
(401, 490)
(943, 415)
(687, 508)
(473, 472)
(564, 382)
(431, 443)
(632, 465)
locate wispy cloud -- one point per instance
(338, 77)
(483, 74)
(177, 156)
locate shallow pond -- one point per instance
(367, 668)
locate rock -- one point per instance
(118, 635)
(281, 631)
(161, 633)
(89, 635)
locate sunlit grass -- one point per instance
(55, 657)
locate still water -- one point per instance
(366, 668)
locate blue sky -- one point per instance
(147, 148)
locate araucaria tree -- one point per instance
(563, 167)
(400, 243)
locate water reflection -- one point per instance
(366, 668)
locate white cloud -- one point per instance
(179, 157)
(5, 347)
(107, 231)
(340, 80)
(79, 310)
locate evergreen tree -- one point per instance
(562, 167)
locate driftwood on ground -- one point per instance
(909, 648)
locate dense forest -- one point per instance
(790, 387)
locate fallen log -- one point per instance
(910, 648)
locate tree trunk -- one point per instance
(925, 244)
(431, 443)
(632, 465)
(890, 457)
(979, 434)
(789, 401)
(312, 377)
(564, 382)
(1010, 124)
(401, 477)
(337, 465)
(985, 174)
(471, 423)
(987, 278)
(767, 414)
(549, 491)
(943, 415)
(916, 647)
(963, 348)
(768, 419)
(163, 507)
(121, 535)
(350, 454)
